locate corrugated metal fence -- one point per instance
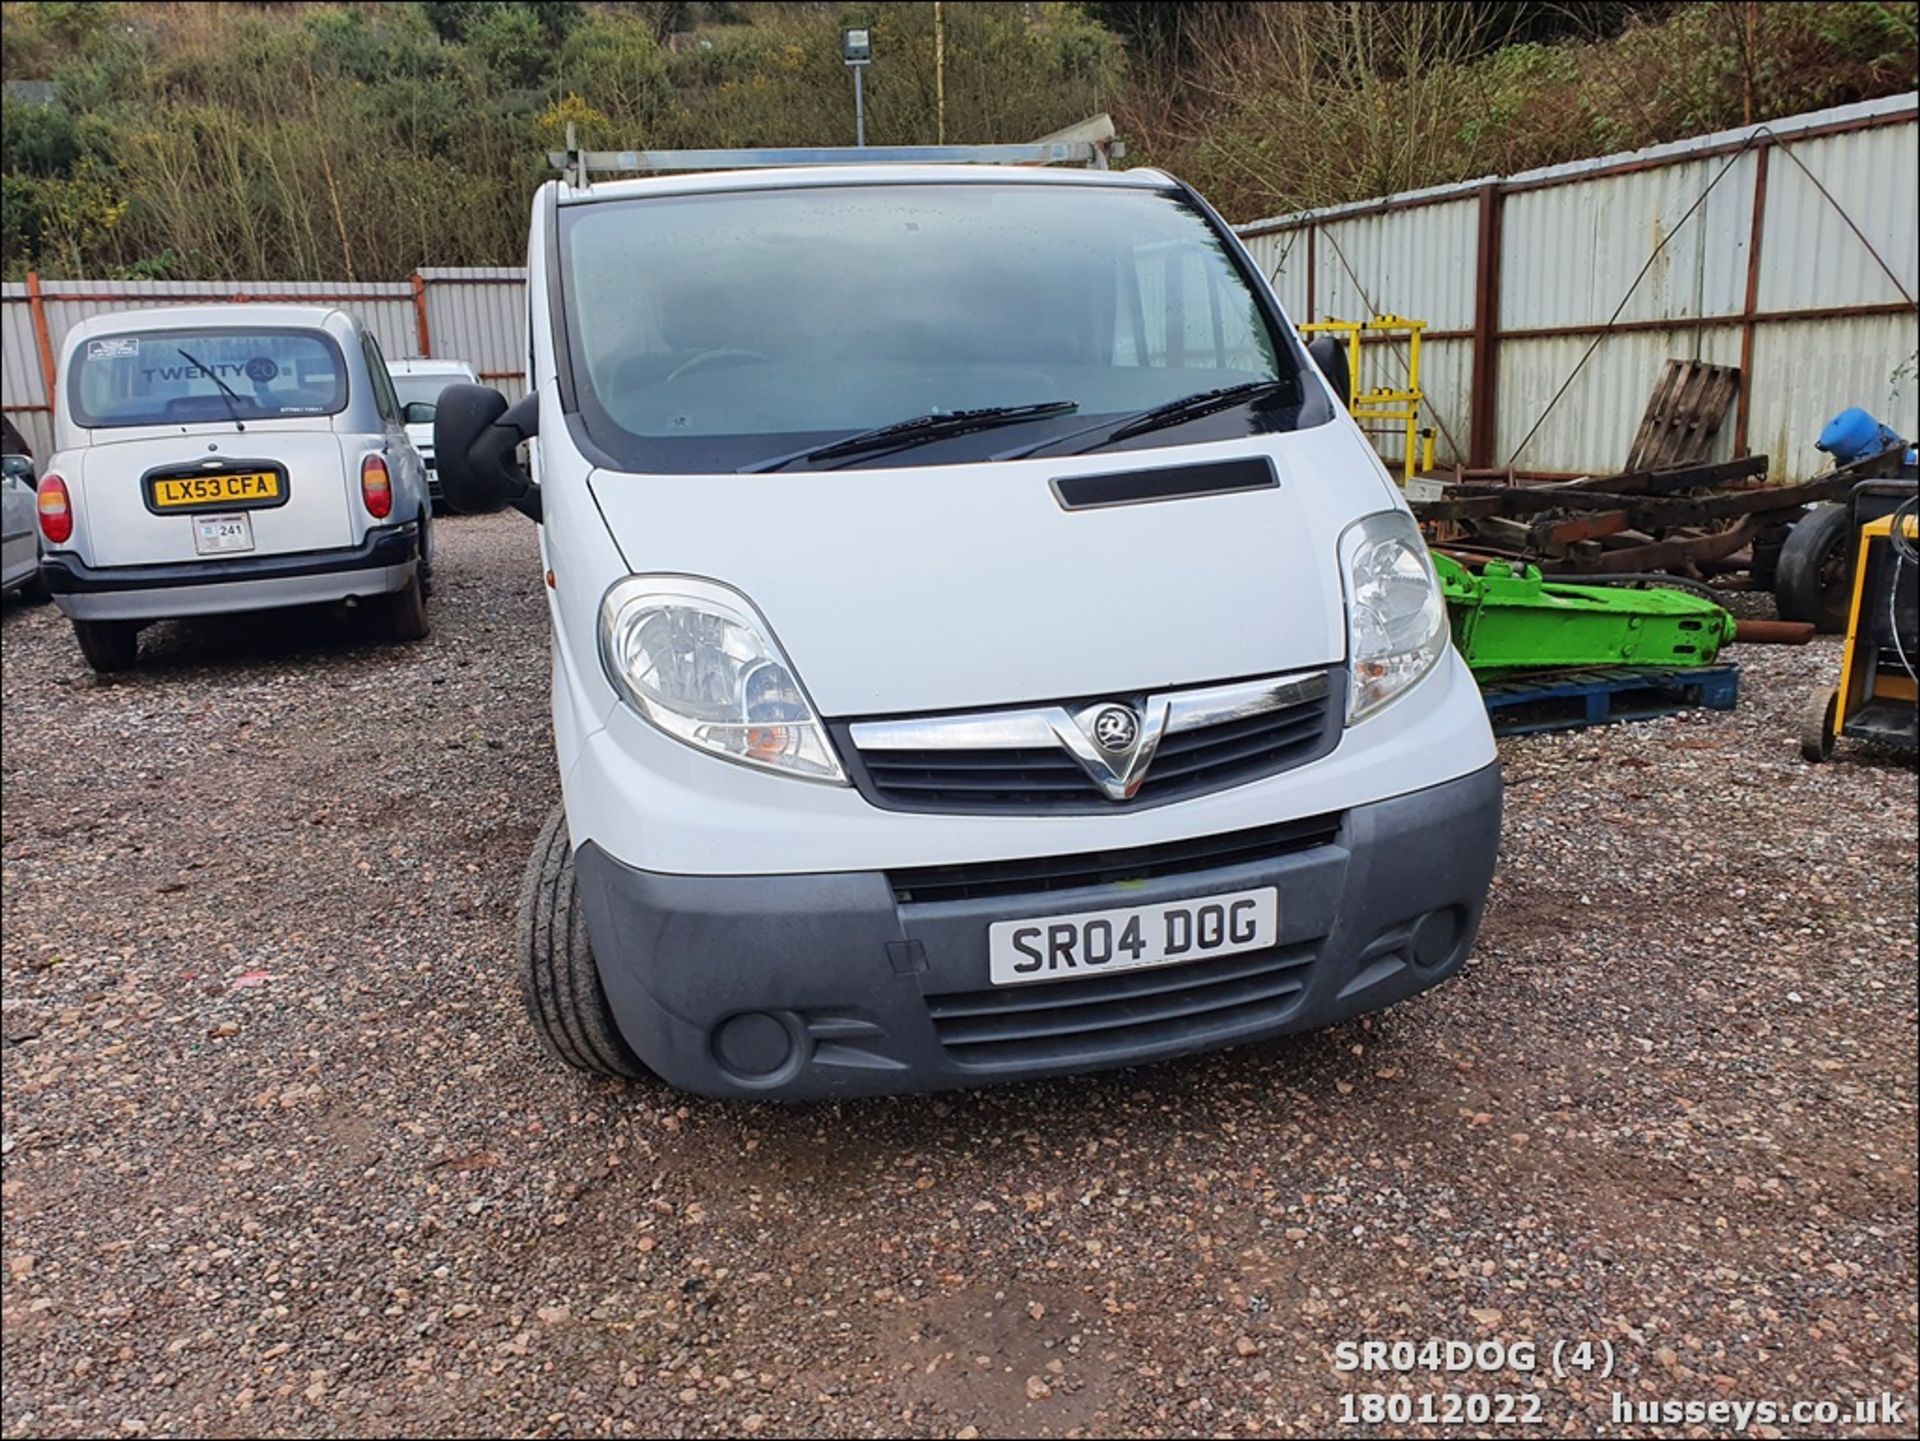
(475, 315)
(1519, 277)
(1746, 263)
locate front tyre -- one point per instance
(108, 645)
(559, 981)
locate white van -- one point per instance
(219, 458)
(983, 647)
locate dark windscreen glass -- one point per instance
(146, 377)
(712, 330)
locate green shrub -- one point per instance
(615, 60)
(513, 45)
(39, 140)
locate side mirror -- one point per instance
(1331, 356)
(476, 437)
(19, 467)
(418, 412)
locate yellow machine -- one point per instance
(1877, 698)
(1399, 405)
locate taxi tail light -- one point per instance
(376, 487)
(56, 510)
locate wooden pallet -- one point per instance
(1573, 699)
(1683, 414)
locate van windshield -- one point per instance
(168, 377)
(419, 386)
(711, 331)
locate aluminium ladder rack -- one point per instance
(1091, 143)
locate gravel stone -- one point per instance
(281, 1156)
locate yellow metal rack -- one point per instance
(1400, 405)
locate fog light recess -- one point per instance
(757, 1045)
(1437, 937)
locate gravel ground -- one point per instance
(281, 1156)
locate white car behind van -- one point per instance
(418, 384)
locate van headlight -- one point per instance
(696, 660)
(1396, 618)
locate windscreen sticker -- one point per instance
(261, 369)
(117, 347)
(193, 370)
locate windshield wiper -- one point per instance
(1173, 412)
(935, 425)
(227, 392)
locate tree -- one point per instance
(513, 44)
(459, 21)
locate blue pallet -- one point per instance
(1605, 695)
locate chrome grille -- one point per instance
(1043, 758)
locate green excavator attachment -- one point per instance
(1511, 618)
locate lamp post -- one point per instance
(856, 48)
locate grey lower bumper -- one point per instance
(382, 563)
(827, 985)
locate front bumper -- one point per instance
(828, 985)
(381, 563)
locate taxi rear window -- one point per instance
(185, 377)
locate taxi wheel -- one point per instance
(559, 980)
(407, 614)
(108, 645)
(426, 557)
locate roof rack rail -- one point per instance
(1091, 143)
